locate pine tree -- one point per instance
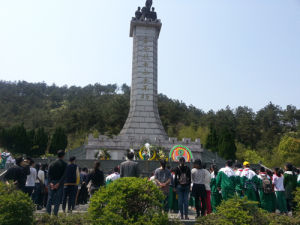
(226, 145)
(59, 141)
(40, 143)
(212, 140)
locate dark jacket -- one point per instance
(96, 177)
(178, 171)
(17, 174)
(129, 169)
(56, 171)
(72, 175)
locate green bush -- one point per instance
(62, 219)
(297, 200)
(283, 220)
(15, 206)
(237, 211)
(128, 201)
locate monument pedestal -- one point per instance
(117, 146)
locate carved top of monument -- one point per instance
(146, 13)
(145, 17)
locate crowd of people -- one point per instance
(63, 183)
(66, 184)
(205, 189)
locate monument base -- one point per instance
(117, 146)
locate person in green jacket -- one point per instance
(249, 182)
(216, 197)
(226, 181)
(290, 185)
(238, 187)
(265, 190)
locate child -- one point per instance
(279, 190)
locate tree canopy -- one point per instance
(30, 112)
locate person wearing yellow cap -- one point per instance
(249, 182)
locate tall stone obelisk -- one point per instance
(143, 121)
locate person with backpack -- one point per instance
(249, 182)
(278, 180)
(265, 191)
(226, 180)
(182, 185)
(290, 185)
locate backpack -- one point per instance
(183, 178)
(266, 185)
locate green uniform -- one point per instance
(281, 203)
(238, 186)
(290, 185)
(216, 197)
(173, 200)
(3, 161)
(249, 183)
(266, 199)
(226, 181)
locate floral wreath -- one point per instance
(152, 153)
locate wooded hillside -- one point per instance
(35, 115)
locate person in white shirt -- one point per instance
(114, 176)
(10, 161)
(39, 186)
(31, 178)
(278, 181)
(198, 175)
(207, 180)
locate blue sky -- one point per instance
(212, 53)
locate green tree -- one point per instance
(40, 143)
(246, 129)
(289, 148)
(212, 140)
(226, 145)
(59, 141)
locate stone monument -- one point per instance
(143, 124)
(143, 119)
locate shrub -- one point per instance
(15, 206)
(128, 201)
(297, 200)
(283, 220)
(62, 219)
(237, 211)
